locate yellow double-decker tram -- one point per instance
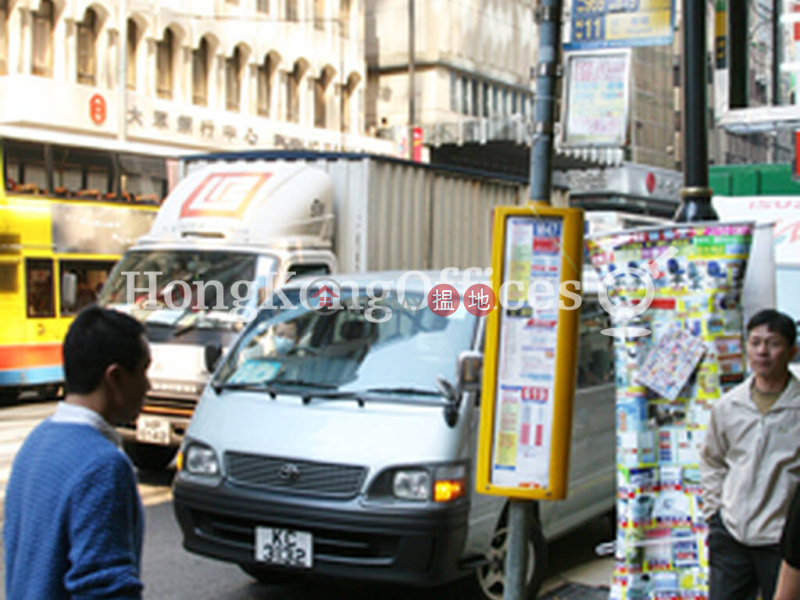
(66, 216)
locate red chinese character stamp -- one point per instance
(479, 300)
(443, 300)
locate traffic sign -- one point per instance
(620, 23)
(531, 351)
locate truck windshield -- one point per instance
(196, 288)
(349, 352)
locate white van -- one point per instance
(319, 443)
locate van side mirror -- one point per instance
(470, 371)
(213, 352)
(69, 290)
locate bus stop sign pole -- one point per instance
(548, 16)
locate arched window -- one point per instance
(291, 10)
(164, 65)
(319, 14)
(293, 79)
(3, 37)
(200, 74)
(43, 21)
(347, 101)
(344, 17)
(266, 72)
(321, 84)
(87, 48)
(131, 44)
(233, 80)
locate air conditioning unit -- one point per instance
(444, 133)
(472, 132)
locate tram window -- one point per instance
(67, 179)
(97, 179)
(8, 279)
(82, 173)
(39, 279)
(25, 167)
(36, 176)
(144, 178)
(88, 278)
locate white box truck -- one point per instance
(237, 225)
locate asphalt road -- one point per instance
(171, 573)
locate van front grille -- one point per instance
(295, 476)
(330, 545)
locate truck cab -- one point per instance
(223, 239)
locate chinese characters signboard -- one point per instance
(529, 374)
(620, 23)
(596, 99)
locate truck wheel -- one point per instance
(150, 457)
(488, 583)
(8, 397)
(269, 576)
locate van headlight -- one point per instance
(199, 459)
(440, 483)
(412, 485)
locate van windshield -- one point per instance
(347, 351)
(196, 288)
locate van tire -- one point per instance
(150, 457)
(488, 581)
(8, 397)
(269, 576)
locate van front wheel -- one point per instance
(488, 583)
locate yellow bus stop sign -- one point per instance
(531, 351)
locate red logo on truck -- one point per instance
(224, 195)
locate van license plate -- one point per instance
(284, 547)
(153, 430)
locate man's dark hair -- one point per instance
(777, 322)
(97, 338)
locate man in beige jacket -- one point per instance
(750, 464)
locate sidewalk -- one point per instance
(572, 560)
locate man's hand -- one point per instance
(788, 583)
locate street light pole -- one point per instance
(123, 69)
(696, 195)
(411, 89)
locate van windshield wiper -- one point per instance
(249, 385)
(406, 391)
(303, 383)
(271, 387)
(307, 398)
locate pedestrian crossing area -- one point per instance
(17, 421)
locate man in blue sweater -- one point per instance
(74, 520)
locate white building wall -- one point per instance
(226, 24)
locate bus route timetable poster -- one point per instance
(527, 354)
(661, 549)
